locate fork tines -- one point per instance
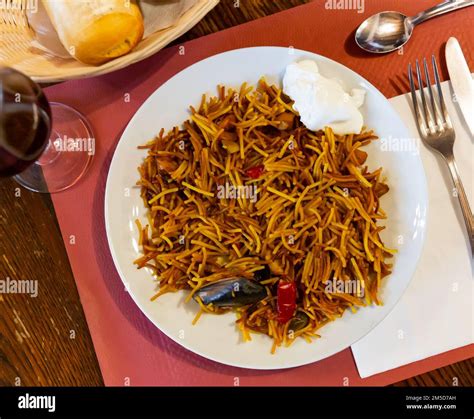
(432, 116)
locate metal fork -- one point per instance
(437, 132)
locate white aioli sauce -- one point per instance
(322, 102)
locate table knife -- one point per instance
(461, 81)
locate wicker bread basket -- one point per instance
(17, 49)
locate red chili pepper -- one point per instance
(255, 172)
(286, 300)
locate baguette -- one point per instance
(96, 31)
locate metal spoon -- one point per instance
(388, 31)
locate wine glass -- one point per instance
(46, 146)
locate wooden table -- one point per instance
(45, 340)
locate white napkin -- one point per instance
(435, 314)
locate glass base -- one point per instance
(67, 156)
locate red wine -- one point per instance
(25, 122)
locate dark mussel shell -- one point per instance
(231, 292)
(299, 321)
(262, 274)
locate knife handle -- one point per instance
(445, 7)
(465, 208)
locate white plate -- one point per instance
(216, 337)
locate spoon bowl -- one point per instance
(384, 32)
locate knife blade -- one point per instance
(461, 81)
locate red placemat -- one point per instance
(130, 349)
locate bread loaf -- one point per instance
(95, 31)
